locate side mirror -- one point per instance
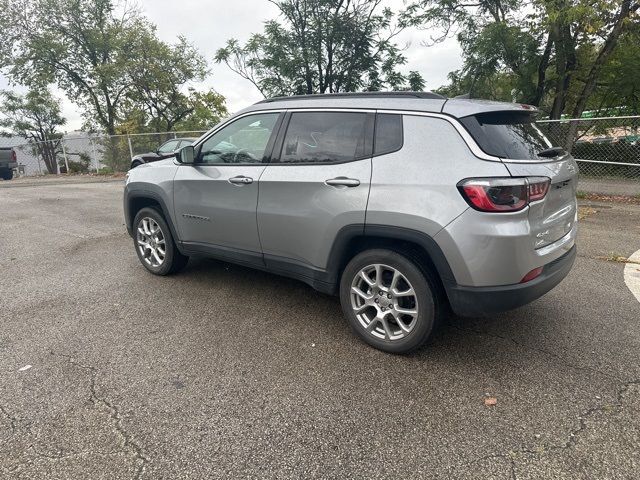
(186, 155)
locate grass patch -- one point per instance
(614, 257)
(584, 212)
(601, 197)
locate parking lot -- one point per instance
(224, 372)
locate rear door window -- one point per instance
(510, 135)
(326, 137)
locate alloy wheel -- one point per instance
(151, 242)
(384, 302)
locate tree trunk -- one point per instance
(590, 83)
(47, 152)
(542, 72)
(565, 66)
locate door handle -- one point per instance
(342, 182)
(241, 180)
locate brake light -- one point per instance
(14, 157)
(503, 194)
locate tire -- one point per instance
(6, 174)
(394, 321)
(146, 225)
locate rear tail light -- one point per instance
(503, 194)
(14, 157)
(538, 188)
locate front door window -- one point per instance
(243, 141)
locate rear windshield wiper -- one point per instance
(552, 152)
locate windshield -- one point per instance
(507, 134)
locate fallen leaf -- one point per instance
(26, 367)
(490, 402)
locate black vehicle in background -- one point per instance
(8, 162)
(165, 150)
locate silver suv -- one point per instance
(404, 204)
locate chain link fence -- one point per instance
(604, 147)
(86, 153)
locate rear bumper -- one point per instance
(482, 301)
(9, 165)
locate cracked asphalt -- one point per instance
(224, 372)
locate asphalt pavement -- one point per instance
(107, 372)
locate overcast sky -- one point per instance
(208, 24)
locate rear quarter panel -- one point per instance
(489, 249)
(416, 187)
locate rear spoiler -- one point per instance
(463, 107)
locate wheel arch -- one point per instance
(137, 200)
(416, 245)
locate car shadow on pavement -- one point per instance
(263, 290)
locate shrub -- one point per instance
(81, 165)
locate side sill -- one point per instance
(315, 277)
(232, 255)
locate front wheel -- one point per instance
(389, 301)
(155, 245)
(6, 174)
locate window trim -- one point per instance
(375, 131)
(268, 151)
(368, 140)
(453, 121)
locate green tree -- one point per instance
(161, 75)
(84, 46)
(205, 110)
(550, 53)
(415, 81)
(35, 116)
(321, 46)
(619, 83)
(105, 56)
(200, 110)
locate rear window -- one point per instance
(507, 134)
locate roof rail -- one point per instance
(356, 95)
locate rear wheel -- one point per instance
(6, 174)
(154, 244)
(389, 301)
